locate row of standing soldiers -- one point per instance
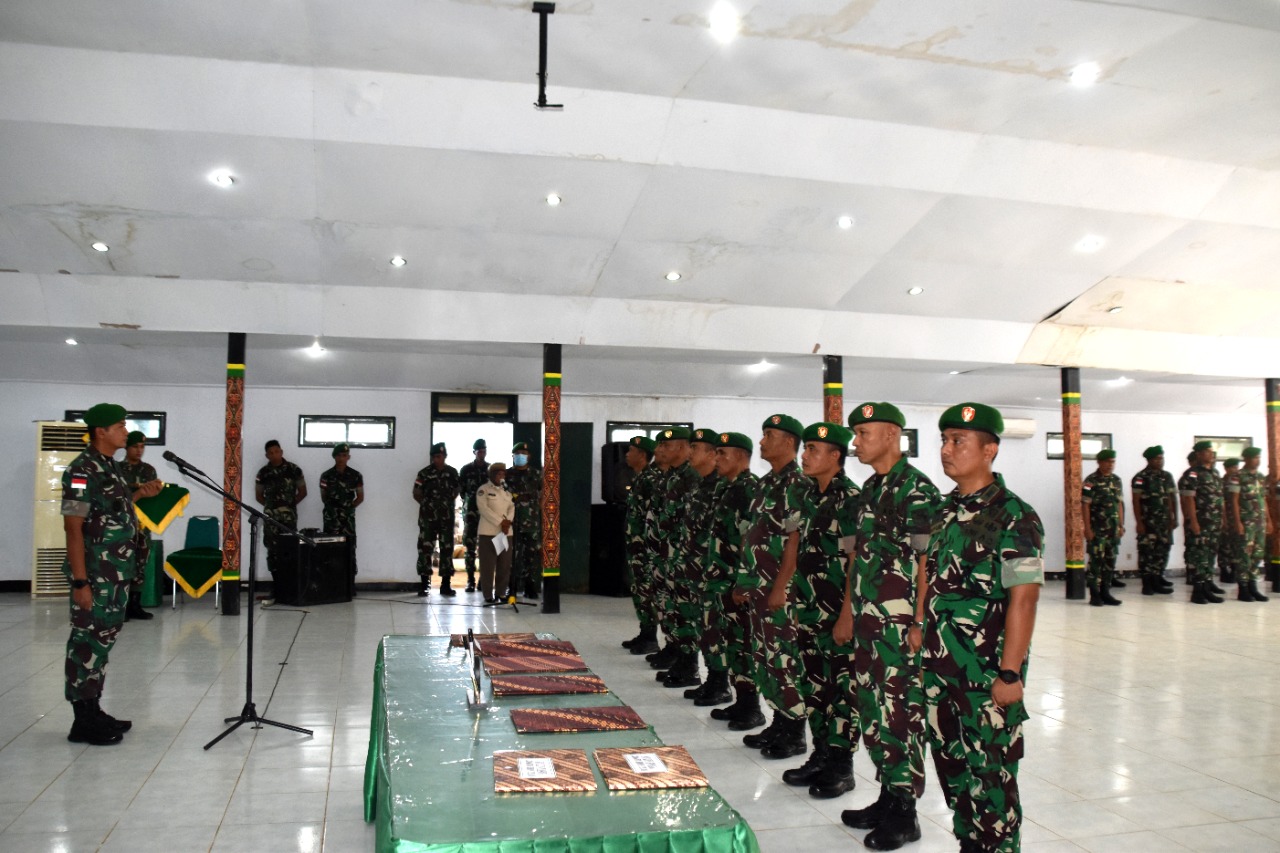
(887, 614)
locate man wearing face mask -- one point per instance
(524, 482)
(497, 512)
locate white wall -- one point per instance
(387, 521)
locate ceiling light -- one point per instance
(760, 366)
(1085, 74)
(673, 276)
(1115, 309)
(100, 246)
(915, 291)
(315, 350)
(1121, 381)
(73, 342)
(553, 199)
(1090, 243)
(953, 372)
(845, 222)
(397, 261)
(724, 22)
(222, 178)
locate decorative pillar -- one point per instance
(833, 389)
(1071, 479)
(551, 478)
(233, 469)
(1273, 470)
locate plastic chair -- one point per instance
(198, 566)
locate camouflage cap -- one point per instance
(1201, 445)
(786, 423)
(479, 445)
(1251, 452)
(135, 437)
(1153, 451)
(830, 433)
(340, 448)
(644, 443)
(439, 447)
(1105, 454)
(1231, 463)
(674, 433)
(974, 416)
(518, 447)
(104, 415)
(735, 439)
(705, 436)
(872, 413)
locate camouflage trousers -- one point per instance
(778, 668)
(141, 555)
(739, 644)
(890, 701)
(341, 521)
(1252, 553)
(660, 603)
(1230, 546)
(976, 748)
(1102, 559)
(1199, 553)
(94, 631)
(714, 638)
(429, 536)
(641, 577)
(828, 684)
(686, 592)
(471, 541)
(1153, 553)
(279, 545)
(526, 563)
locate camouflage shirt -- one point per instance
(525, 486)
(639, 495)
(338, 494)
(436, 489)
(1104, 494)
(895, 520)
(136, 475)
(1205, 486)
(280, 485)
(698, 518)
(472, 476)
(94, 488)
(775, 513)
(1253, 499)
(672, 504)
(652, 530)
(985, 543)
(829, 520)
(1152, 489)
(729, 519)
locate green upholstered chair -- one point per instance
(198, 566)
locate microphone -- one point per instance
(183, 464)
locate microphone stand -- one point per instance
(249, 713)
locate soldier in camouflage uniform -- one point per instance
(1229, 542)
(471, 477)
(1102, 497)
(770, 546)
(101, 529)
(727, 624)
(688, 571)
(1155, 515)
(678, 661)
(435, 490)
(1202, 514)
(341, 491)
(829, 512)
(650, 546)
(279, 487)
(639, 559)
(524, 481)
(1247, 514)
(143, 482)
(985, 570)
(895, 520)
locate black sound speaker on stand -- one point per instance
(320, 574)
(608, 564)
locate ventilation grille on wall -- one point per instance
(49, 579)
(62, 437)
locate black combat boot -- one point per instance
(836, 778)
(717, 689)
(684, 672)
(1094, 599)
(748, 716)
(638, 638)
(765, 736)
(1200, 594)
(446, 589)
(1146, 586)
(424, 585)
(870, 817)
(1163, 582)
(1116, 582)
(1243, 593)
(471, 580)
(133, 610)
(1257, 595)
(665, 657)
(898, 824)
(1104, 592)
(812, 767)
(741, 700)
(1210, 586)
(89, 727)
(646, 642)
(111, 722)
(789, 741)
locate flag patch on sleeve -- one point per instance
(79, 481)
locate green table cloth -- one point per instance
(429, 773)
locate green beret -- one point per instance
(1153, 451)
(135, 437)
(644, 443)
(1201, 445)
(104, 415)
(786, 423)
(520, 447)
(479, 445)
(872, 413)
(341, 448)
(735, 439)
(975, 416)
(674, 433)
(1251, 452)
(1231, 463)
(706, 436)
(1104, 455)
(439, 448)
(830, 433)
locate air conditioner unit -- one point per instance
(1019, 428)
(58, 443)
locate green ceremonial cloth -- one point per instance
(429, 773)
(195, 569)
(157, 512)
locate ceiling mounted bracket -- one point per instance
(542, 10)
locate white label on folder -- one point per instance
(645, 762)
(536, 768)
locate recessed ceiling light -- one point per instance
(845, 222)
(915, 291)
(315, 350)
(222, 178)
(953, 372)
(1115, 309)
(1085, 74)
(553, 199)
(398, 261)
(100, 246)
(760, 366)
(724, 22)
(673, 276)
(1090, 243)
(73, 342)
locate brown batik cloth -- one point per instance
(681, 770)
(460, 640)
(547, 685)
(509, 648)
(533, 663)
(608, 718)
(571, 768)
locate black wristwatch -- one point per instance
(79, 583)
(1010, 676)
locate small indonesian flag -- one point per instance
(79, 481)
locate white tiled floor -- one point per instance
(1154, 727)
